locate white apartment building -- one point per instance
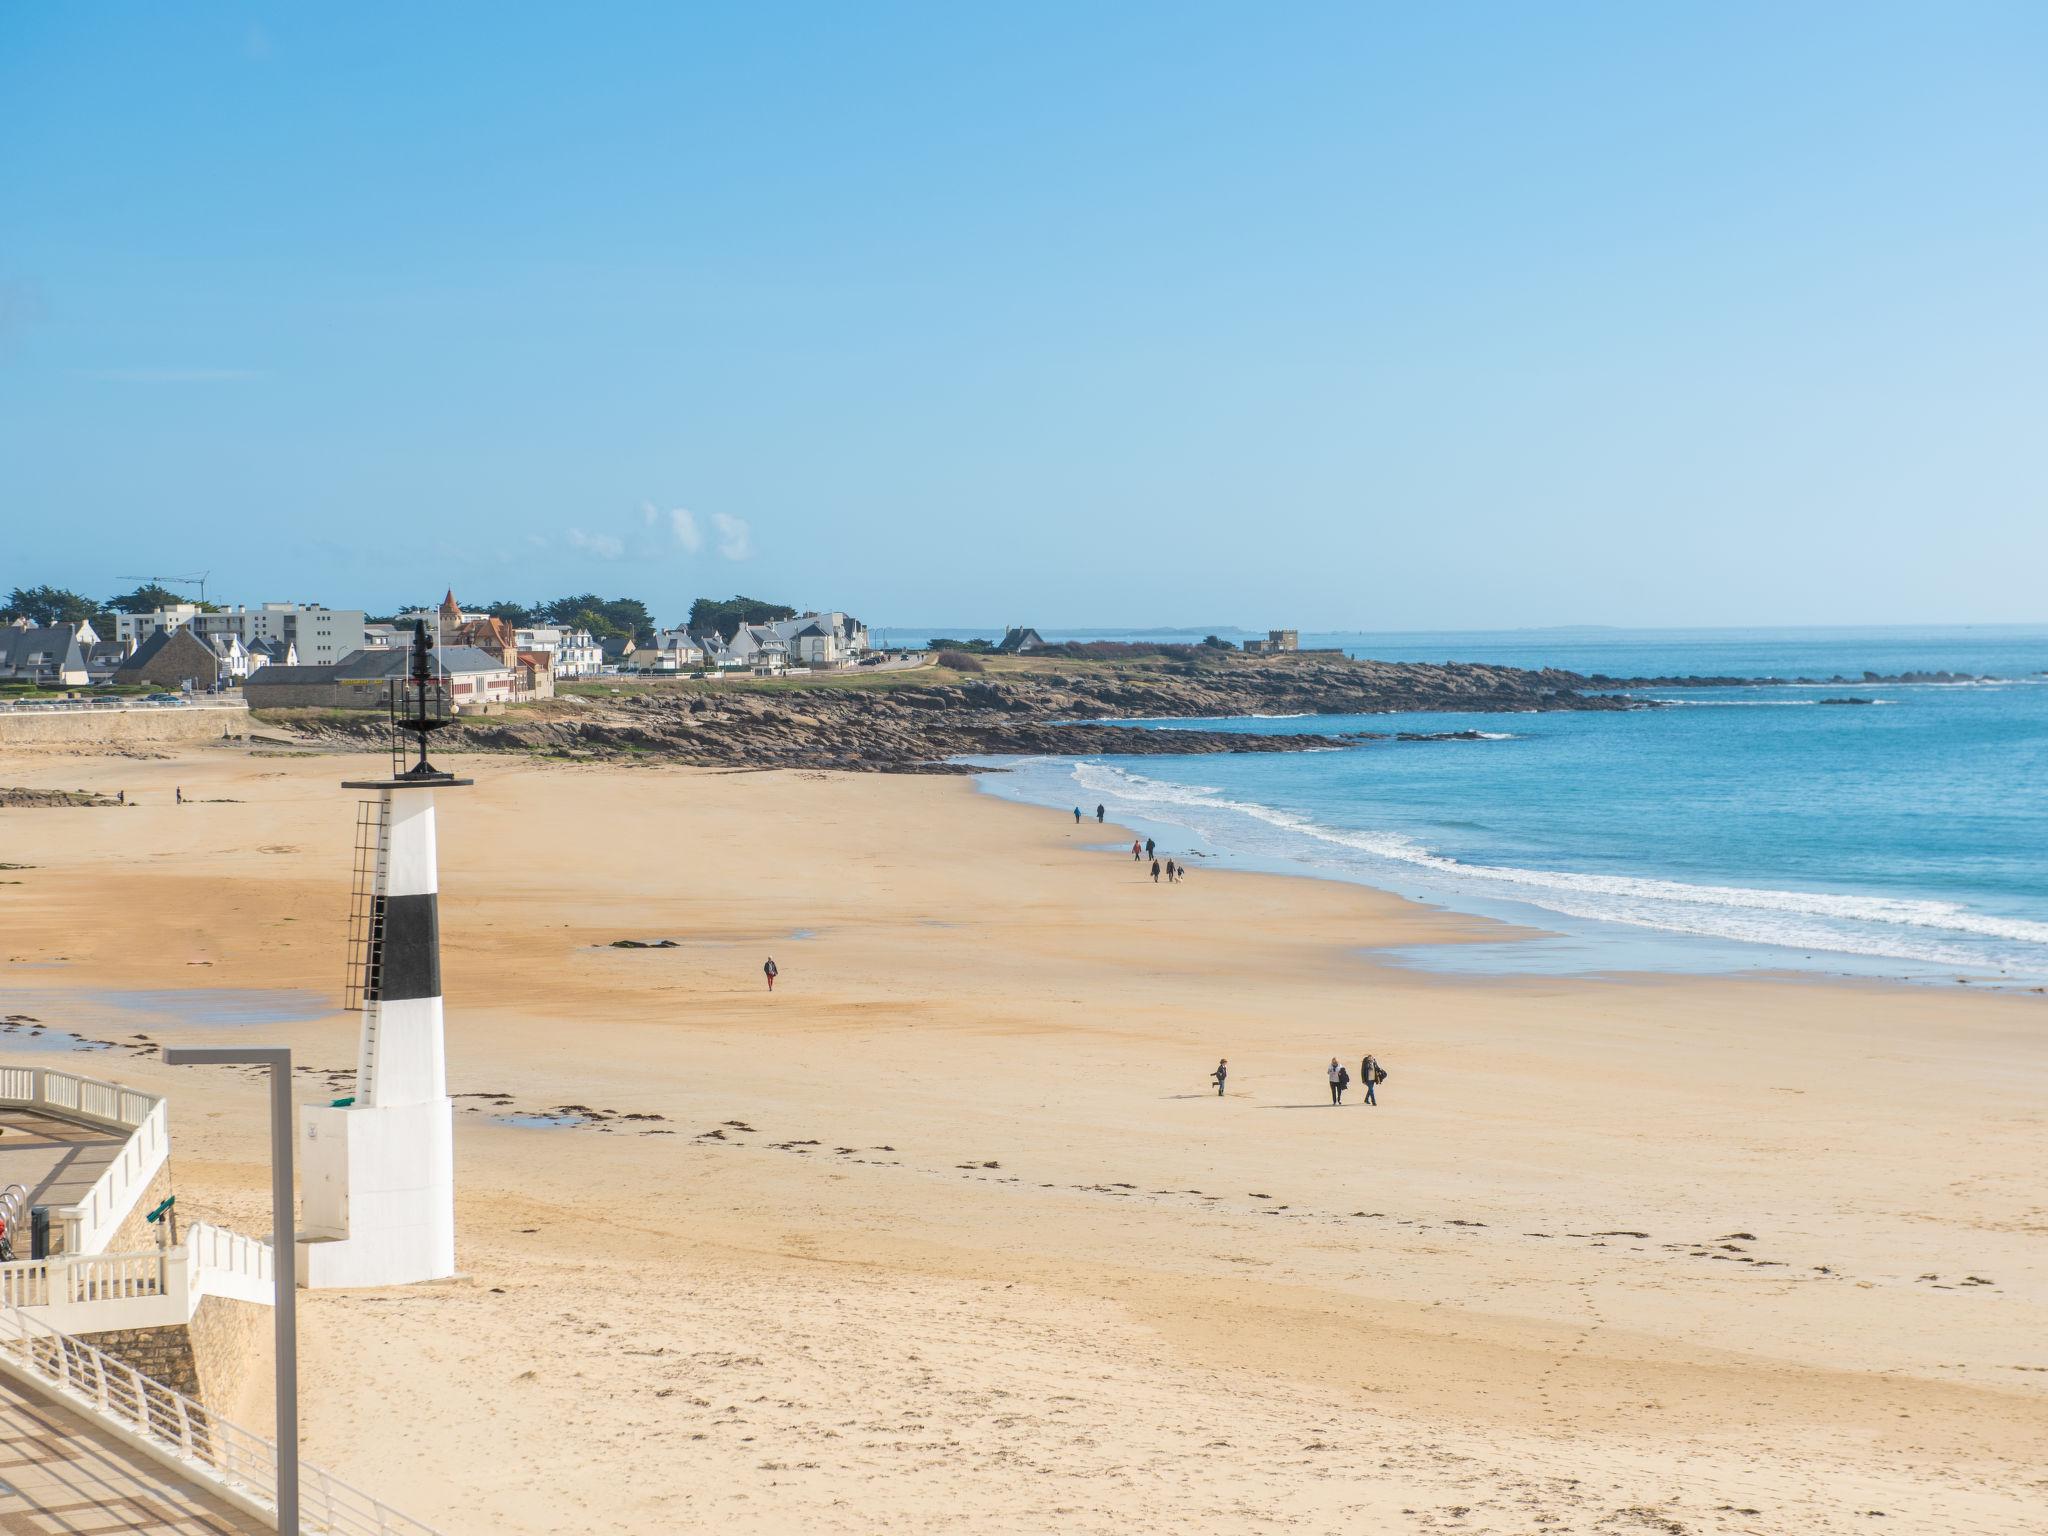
(320, 635)
(575, 652)
(580, 654)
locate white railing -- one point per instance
(225, 1263)
(91, 1223)
(174, 1429)
(90, 1293)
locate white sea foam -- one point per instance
(1936, 931)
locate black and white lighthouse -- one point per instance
(378, 1170)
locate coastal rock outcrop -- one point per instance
(905, 723)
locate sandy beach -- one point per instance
(952, 1233)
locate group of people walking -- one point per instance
(1173, 871)
(1370, 1075)
(1143, 849)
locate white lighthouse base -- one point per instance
(377, 1194)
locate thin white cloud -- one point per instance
(605, 546)
(735, 538)
(682, 523)
(167, 375)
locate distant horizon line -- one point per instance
(1220, 630)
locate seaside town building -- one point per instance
(473, 680)
(1276, 640)
(52, 655)
(315, 633)
(831, 639)
(1017, 641)
(673, 651)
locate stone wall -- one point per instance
(267, 695)
(161, 1354)
(122, 727)
(232, 1346)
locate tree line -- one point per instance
(607, 618)
(45, 605)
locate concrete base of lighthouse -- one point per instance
(377, 1194)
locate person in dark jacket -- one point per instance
(771, 970)
(1369, 1073)
(1221, 1073)
(1155, 871)
(1098, 813)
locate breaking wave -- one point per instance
(1936, 932)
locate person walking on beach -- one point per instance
(179, 790)
(771, 971)
(1098, 815)
(1155, 871)
(1172, 872)
(1221, 1073)
(1336, 1081)
(1077, 815)
(1369, 1073)
(1148, 847)
(1137, 851)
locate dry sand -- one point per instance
(952, 1234)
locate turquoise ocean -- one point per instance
(1732, 829)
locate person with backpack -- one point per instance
(1220, 1074)
(1369, 1073)
(771, 970)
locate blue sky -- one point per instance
(1363, 316)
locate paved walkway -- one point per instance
(60, 1476)
(58, 1160)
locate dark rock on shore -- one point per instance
(918, 727)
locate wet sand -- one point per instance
(952, 1232)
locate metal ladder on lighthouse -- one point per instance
(365, 983)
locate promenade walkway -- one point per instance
(56, 1160)
(60, 1476)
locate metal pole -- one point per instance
(284, 1251)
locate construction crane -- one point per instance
(198, 581)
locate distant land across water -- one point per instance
(1735, 828)
(2004, 650)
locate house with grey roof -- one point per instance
(1017, 641)
(178, 659)
(103, 658)
(472, 680)
(49, 655)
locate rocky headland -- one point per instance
(924, 721)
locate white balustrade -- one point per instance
(91, 1223)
